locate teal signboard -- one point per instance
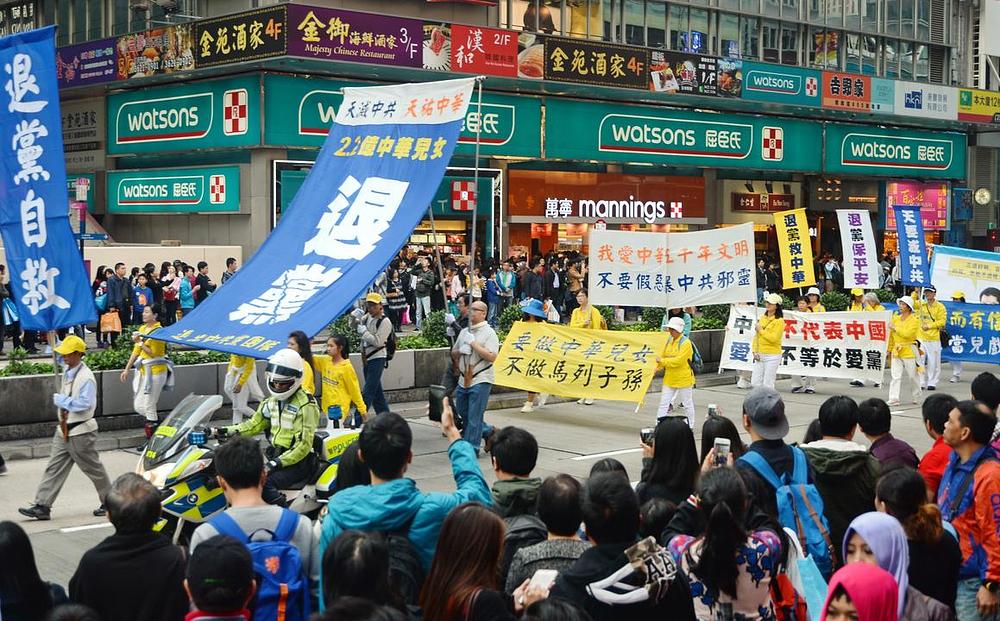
(615, 133)
(210, 189)
(862, 150)
(213, 114)
(780, 84)
(300, 111)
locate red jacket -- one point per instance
(933, 464)
(976, 515)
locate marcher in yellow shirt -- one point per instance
(872, 303)
(767, 343)
(152, 370)
(904, 329)
(240, 385)
(340, 384)
(857, 304)
(933, 316)
(299, 342)
(587, 317)
(814, 304)
(678, 376)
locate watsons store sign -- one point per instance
(918, 154)
(177, 190)
(780, 84)
(592, 131)
(202, 115)
(508, 125)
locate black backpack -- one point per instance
(406, 572)
(522, 531)
(390, 343)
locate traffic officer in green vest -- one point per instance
(289, 418)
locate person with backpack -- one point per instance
(378, 346)
(220, 581)
(393, 505)
(476, 348)
(678, 374)
(779, 479)
(515, 492)
(266, 530)
(969, 497)
(845, 472)
(289, 417)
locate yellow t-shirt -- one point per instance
(308, 382)
(819, 308)
(340, 385)
(935, 316)
(903, 336)
(244, 365)
(872, 309)
(158, 349)
(768, 340)
(591, 320)
(677, 371)
(856, 308)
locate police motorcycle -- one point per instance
(178, 459)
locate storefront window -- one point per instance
(656, 24)
(772, 8)
(531, 16)
(853, 12)
(905, 60)
(79, 21)
(825, 48)
(729, 4)
(921, 70)
(700, 32)
(729, 34)
(678, 28)
(749, 32)
(750, 6)
(771, 41)
(789, 44)
(62, 19)
(923, 19)
(906, 18)
(892, 17)
(890, 58)
(853, 53)
(835, 13)
(816, 11)
(790, 10)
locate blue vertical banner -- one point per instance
(48, 282)
(373, 180)
(912, 246)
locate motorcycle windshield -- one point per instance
(171, 436)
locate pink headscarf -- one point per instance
(872, 590)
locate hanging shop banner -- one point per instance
(599, 64)
(927, 101)
(93, 62)
(155, 52)
(48, 282)
(795, 247)
(19, 16)
(251, 35)
(334, 34)
(835, 345)
(485, 51)
(200, 115)
(668, 270)
(976, 106)
(210, 189)
(847, 91)
(370, 187)
(781, 84)
(576, 362)
(300, 112)
(579, 130)
(861, 268)
(974, 332)
(872, 151)
(693, 74)
(933, 199)
(912, 247)
(89, 180)
(975, 273)
(83, 134)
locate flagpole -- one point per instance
(475, 177)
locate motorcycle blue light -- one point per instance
(197, 438)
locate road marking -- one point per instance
(603, 455)
(76, 529)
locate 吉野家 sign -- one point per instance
(178, 190)
(251, 35)
(213, 114)
(873, 151)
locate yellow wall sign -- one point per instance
(975, 106)
(577, 362)
(796, 249)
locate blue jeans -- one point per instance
(372, 392)
(491, 315)
(965, 601)
(471, 405)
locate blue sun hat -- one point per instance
(534, 307)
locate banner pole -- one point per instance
(475, 180)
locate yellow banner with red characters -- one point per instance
(795, 246)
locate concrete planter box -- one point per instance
(26, 401)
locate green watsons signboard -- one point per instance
(594, 131)
(210, 189)
(300, 112)
(214, 114)
(894, 152)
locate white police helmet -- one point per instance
(284, 373)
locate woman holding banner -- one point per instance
(587, 317)
(767, 343)
(903, 332)
(534, 311)
(804, 383)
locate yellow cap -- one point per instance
(857, 291)
(70, 344)
(374, 297)
(958, 294)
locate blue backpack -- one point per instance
(800, 507)
(696, 363)
(282, 584)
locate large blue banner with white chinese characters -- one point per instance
(912, 246)
(373, 180)
(48, 282)
(974, 332)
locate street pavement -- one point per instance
(571, 438)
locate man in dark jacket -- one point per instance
(135, 573)
(534, 286)
(845, 472)
(603, 581)
(514, 453)
(120, 297)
